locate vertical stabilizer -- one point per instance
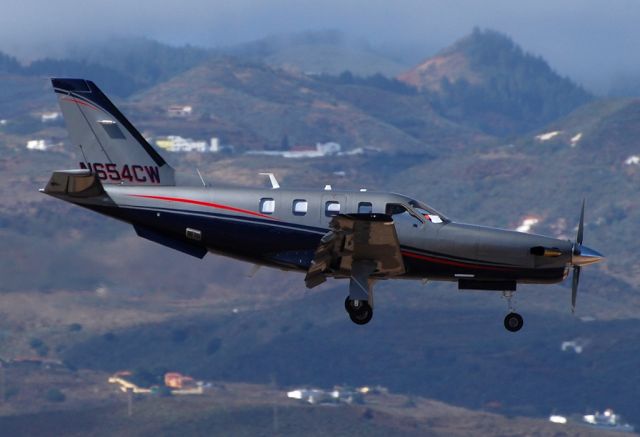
(110, 147)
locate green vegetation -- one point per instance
(9, 64)
(55, 395)
(144, 377)
(75, 327)
(324, 348)
(121, 66)
(375, 81)
(39, 346)
(214, 345)
(11, 392)
(179, 335)
(521, 89)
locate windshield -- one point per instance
(427, 212)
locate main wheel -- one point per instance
(348, 304)
(513, 322)
(362, 314)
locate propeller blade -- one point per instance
(581, 225)
(574, 288)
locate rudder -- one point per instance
(111, 147)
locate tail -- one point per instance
(110, 147)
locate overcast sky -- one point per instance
(589, 40)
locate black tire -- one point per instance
(361, 315)
(348, 304)
(513, 322)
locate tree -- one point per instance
(55, 395)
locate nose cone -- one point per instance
(584, 255)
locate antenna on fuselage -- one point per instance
(272, 178)
(201, 178)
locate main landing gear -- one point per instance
(359, 311)
(359, 303)
(513, 321)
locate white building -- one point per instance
(547, 136)
(320, 150)
(181, 111)
(214, 145)
(47, 117)
(42, 145)
(319, 396)
(176, 143)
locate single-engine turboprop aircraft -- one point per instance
(359, 235)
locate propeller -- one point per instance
(577, 251)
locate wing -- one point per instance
(357, 239)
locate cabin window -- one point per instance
(300, 207)
(365, 208)
(332, 208)
(267, 205)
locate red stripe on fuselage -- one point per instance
(201, 203)
(80, 102)
(452, 263)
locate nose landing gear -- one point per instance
(513, 321)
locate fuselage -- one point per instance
(282, 228)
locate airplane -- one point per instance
(362, 236)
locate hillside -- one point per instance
(140, 305)
(607, 129)
(250, 410)
(486, 79)
(252, 105)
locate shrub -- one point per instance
(55, 395)
(75, 327)
(213, 346)
(35, 343)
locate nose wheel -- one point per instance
(513, 322)
(359, 311)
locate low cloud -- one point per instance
(588, 40)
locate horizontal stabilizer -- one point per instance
(74, 183)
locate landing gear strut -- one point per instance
(513, 321)
(359, 311)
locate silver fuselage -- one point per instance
(231, 222)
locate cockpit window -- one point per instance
(401, 214)
(395, 208)
(427, 212)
